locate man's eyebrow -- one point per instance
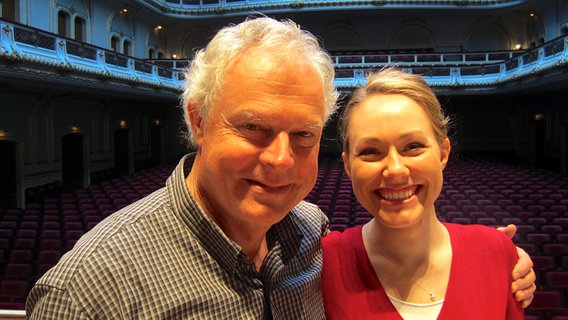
(314, 125)
(251, 116)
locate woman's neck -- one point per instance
(412, 264)
(405, 245)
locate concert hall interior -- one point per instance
(91, 119)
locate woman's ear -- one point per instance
(196, 122)
(346, 165)
(445, 152)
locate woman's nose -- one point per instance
(395, 165)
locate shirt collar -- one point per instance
(285, 236)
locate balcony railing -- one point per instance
(46, 51)
(465, 69)
(457, 69)
(188, 9)
(19, 43)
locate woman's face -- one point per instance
(394, 160)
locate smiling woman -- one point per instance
(393, 154)
(405, 263)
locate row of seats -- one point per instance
(487, 191)
(32, 240)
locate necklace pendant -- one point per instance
(432, 296)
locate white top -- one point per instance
(417, 311)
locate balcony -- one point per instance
(30, 53)
(34, 53)
(188, 9)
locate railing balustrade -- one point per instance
(20, 43)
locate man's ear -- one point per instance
(196, 122)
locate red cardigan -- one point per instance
(479, 285)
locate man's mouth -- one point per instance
(270, 188)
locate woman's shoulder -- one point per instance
(340, 237)
(474, 230)
(480, 237)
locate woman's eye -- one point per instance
(415, 146)
(366, 152)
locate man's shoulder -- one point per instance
(305, 206)
(309, 212)
(97, 243)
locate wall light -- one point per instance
(3, 133)
(75, 128)
(517, 46)
(123, 124)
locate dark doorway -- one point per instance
(74, 164)
(157, 145)
(564, 149)
(538, 147)
(9, 186)
(123, 152)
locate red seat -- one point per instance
(538, 238)
(18, 271)
(555, 249)
(557, 278)
(23, 255)
(25, 243)
(50, 244)
(543, 262)
(49, 256)
(546, 300)
(13, 290)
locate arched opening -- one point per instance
(123, 151)
(157, 142)
(10, 189)
(63, 23)
(74, 161)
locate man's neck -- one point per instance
(251, 238)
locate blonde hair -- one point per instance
(393, 81)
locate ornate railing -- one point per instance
(188, 9)
(444, 69)
(20, 44)
(463, 70)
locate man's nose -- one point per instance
(278, 153)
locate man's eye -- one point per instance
(305, 134)
(251, 127)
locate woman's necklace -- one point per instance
(431, 292)
(440, 255)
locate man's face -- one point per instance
(259, 147)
